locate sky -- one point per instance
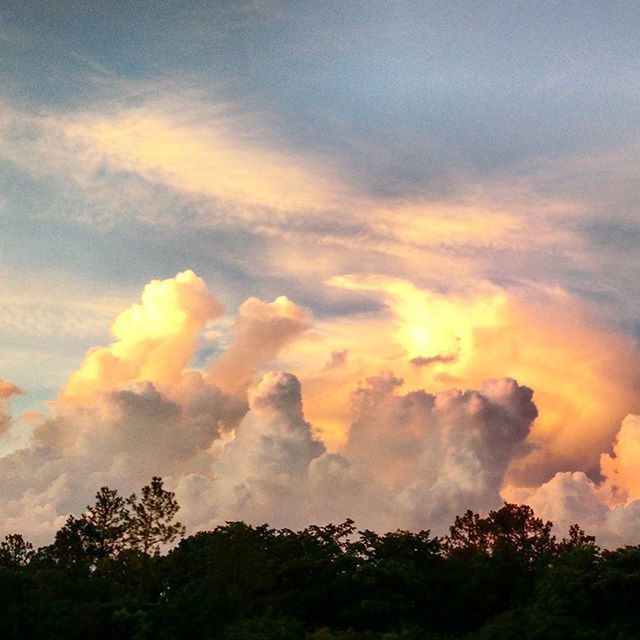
(309, 261)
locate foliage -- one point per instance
(498, 576)
(108, 519)
(15, 551)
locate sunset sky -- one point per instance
(318, 260)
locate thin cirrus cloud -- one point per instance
(221, 165)
(182, 143)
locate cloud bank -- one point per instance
(410, 446)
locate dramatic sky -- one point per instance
(317, 260)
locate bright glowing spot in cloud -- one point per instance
(428, 324)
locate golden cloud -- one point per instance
(154, 340)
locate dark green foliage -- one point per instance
(15, 551)
(400, 579)
(499, 577)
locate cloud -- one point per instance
(585, 375)
(417, 449)
(263, 471)
(178, 142)
(145, 143)
(133, 409)
(7, 390)
(276, 470)
(622, 469)
(438, 453)
(571, 497)
(609, 507)
(261, 330)
(419, 361)
(337, 358)
(154, 340)
(122, 439)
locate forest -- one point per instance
(123, 570)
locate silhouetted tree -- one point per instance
(74, 545)
(469, 533)
(496, 577)
(513, 527)
(399, 579)
(150, 519)
(314, 569)
(576, 538)
(108, 522)
(15, 551)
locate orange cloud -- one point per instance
(7, 390)
(584, 376)
(196, 150)
(261, 330)
(154, 340)
(622, 469)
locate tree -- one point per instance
(150, 520)
(108, 519)
(515, 528)
(512, 528)
(468, 533)
(74, 545)
(576, 539)
(399, 579)
(496, 560)
(15, 551)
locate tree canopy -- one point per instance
(112, 572)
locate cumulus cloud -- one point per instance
(261, 330)
(608, 506)
(154, 340)
(585, 375)
(264, 469)
(573, 497)
(235, 442)
(276, 470)
(121, 439)
(133, 409)
(448, 451)
(440, 454)
(622, 469)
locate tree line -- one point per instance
(499, 577)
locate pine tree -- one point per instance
(15, 551)
(108, 520)
(150, 519)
